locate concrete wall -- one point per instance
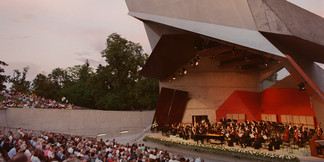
(209, 86)
(77, 122)
(3, 117)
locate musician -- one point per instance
(278, 141)
(245, 138)
(305, 134)
(271, 143)
(231, 138)
(193, 132)
(298, 138)
(319, 132)
(258, 141)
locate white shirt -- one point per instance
(50, 154)
(34, 159)
(152, 156)
(70, 150)
(27, 152)
(97, 160)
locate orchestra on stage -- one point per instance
(246, 133)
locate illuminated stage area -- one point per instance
(287, 153)
(214, 60)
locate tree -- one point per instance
(80, 72)
(122, 79)
(59, 77)
(146, 93)
(78, 92)
(19, 82)
(43, 86)
(3, 78)
(115, 86)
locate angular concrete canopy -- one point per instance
(275, 30)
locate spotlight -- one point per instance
(173, 77)
(191, 63)
(180, 72)
(184, 71)
(195, 62)
(301, 86)
(265, 64)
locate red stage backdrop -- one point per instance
(288, 101)
(241, 102)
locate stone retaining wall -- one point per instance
(87, 123)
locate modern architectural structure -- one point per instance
(212, 56)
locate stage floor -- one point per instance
(303, 153)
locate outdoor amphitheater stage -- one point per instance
(215, 150)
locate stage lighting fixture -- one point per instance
(191, 63)
(173, 77)
(265, 64)
(301, 86)
(180, 72)
(184, 71)
(196, 62)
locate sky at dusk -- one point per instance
(46, 34)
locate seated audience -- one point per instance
(24, 146)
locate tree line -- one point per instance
(115, 86)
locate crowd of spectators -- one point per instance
(59, 147)
(246, 133)
(17, 99)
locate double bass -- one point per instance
(286, 136)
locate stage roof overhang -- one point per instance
(270, 27)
